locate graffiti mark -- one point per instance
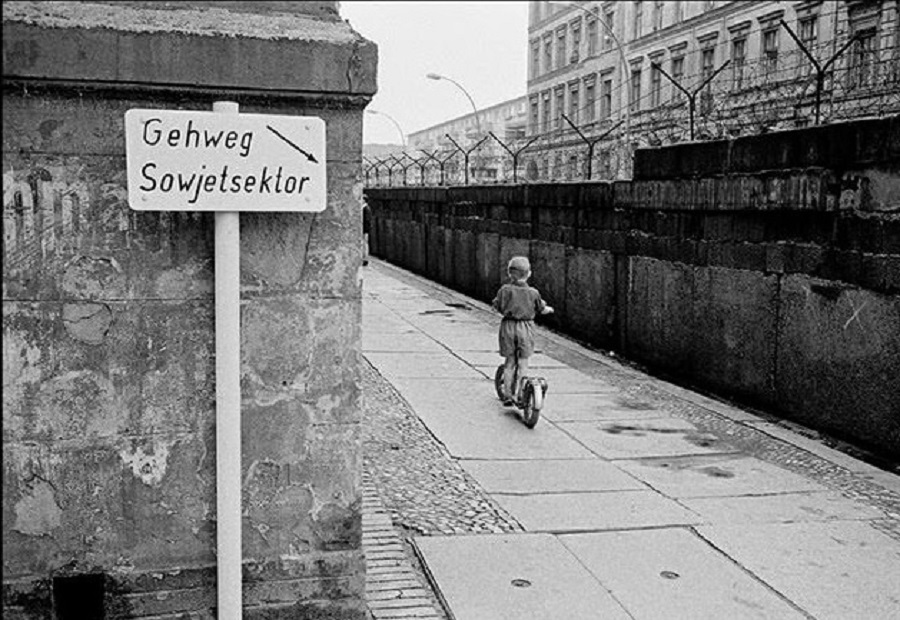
(855, 315)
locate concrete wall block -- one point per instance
(590, 303)
(733, 342)
(659, 324)
(838, 346)
(548, 263)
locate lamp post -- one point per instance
(623, 68)
(437, 76)
(396, 124)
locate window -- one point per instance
(592, 36)
(574, 103)
(605, 164)
(606, 99)
(863, 61)
(677, 75)
(679, 11)
(635, 102)
(638, 19)
(535, 118)
(809, 32)
(657, 16)
(535, 59)
(576, 42)
(561, 48)
(545, 122)
(609, 17)
(548, 54)
(707, 67)
(589, 101)
(738, 61)
(655, 85)
(560, 107)
(770, 53)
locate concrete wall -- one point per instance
(765, 268)
(109, 416)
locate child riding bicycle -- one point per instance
(519, 303)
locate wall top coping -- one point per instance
(207, 20)
(263, 48)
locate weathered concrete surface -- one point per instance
(673, 573)
(842, 555)
(644, 438)
(549, 476)
(108, 317)
(837, 336)
(716, 475)
(780, 508)
(515, 577)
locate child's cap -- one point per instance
(519, 265)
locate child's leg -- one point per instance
(509, 369)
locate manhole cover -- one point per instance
(521, 583)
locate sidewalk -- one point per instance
(632, 498)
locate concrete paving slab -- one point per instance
(597, 407)
(514, 577)
(467, 418)
(674, 574)
(436, 365)
(492, 358)
(411, 342)
(720, 475)
(570, 381)
(781, 508)
(643, 438)
(549, 476)
(581, 512)
(837, 570)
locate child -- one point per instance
(518, 303)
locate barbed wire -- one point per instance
(831, 81)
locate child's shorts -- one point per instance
(516, 338)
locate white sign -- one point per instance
(209, 161)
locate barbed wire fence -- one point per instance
(809, 85)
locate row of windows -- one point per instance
(579, 100)
(565, 44)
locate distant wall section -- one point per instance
(766, 267)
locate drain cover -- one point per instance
(667, 574)
(521, 583)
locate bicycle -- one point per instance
(531, 393)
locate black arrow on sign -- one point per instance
(309, 156)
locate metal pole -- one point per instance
(228, 405)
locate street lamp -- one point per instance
(396, 124)
(623, 105)
(436, 76)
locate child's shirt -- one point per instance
(518, 301)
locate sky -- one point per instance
(481, 45)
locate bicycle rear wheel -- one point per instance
(532, 399)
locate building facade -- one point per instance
(489, 162)
(631, 74)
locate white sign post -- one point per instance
(225, 162)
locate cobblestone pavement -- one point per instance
(411, 486)
(425, 492)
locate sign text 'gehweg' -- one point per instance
(208, 161)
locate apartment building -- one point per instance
(489, 162)
(630, 74)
